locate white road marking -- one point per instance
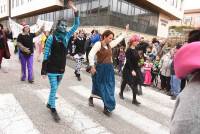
(151, 105)
(13, 119)
(137, 120)
(79, 121)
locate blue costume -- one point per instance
(55, 57)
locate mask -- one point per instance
(62, 27)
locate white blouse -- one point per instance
(97, 47)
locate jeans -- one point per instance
(175, 85)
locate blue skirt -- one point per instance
(104, 85)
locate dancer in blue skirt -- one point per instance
(103, 72)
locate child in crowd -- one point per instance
(121, 58)
(155, 71)
(147, 67)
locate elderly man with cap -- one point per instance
(186, 115)
(26, 48)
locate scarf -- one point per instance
(61, 36)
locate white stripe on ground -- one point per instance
(152, 95)
(79, 121)
(148, 103)
(137, 120)
(13, 120)
(158, 97)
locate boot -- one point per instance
(134, 101)
(123, 85)
(79, 78)
(106, 112)
(139, 92)
(55, 115)
(90, 102)
(75, 72)
(121, 95)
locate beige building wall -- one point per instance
(171, 7)
(4, 8)
(192, 19)
(163, 25)
(19, 8)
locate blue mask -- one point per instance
(62, 27)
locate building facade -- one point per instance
(144, 16)
(4, 9)
(191, 18)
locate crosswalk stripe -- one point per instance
(139, 121)
(154, 96)
(148, 94)
(79, 121)
(148, 103)
(13, 120)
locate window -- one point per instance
(118, 6)
(137, 10)
(114, 5)
(124, 8)
(1, 9)
(17, 3)
(22, 2)
(197, 20)
(188, 20)
(130, 9)
(13, 3)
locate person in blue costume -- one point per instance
(54, 60)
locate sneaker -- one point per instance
(55, 115)
(90, 102)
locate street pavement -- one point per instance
(23, 106)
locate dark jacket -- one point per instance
(132, 60)
(80, 43)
